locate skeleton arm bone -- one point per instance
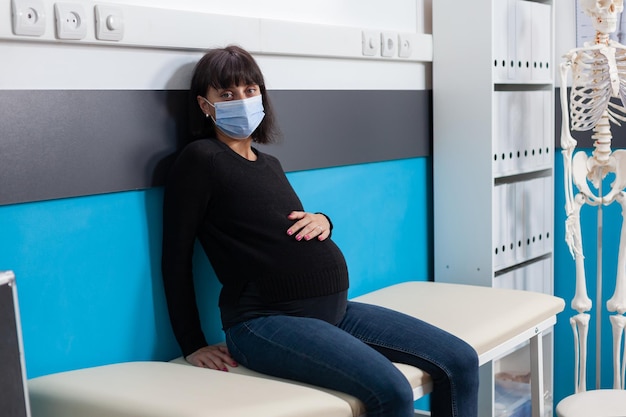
(568, 143)
(620, 58)
(581, 301)
(617, 303)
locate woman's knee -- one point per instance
(404, 394)
(390, 398)
(464, 363)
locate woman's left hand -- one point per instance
(308, 226)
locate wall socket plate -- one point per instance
(370, 42)
(109, 23)
(71, 20)
(405, 45)
(29, 17)
(388, 41)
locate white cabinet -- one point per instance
(493, 159)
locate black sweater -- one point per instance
(237, 209)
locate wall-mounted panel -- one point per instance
(169, 28)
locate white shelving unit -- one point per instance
(493, 159)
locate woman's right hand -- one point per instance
(212, 357)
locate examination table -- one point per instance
(493, 321)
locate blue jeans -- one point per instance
(355, 357)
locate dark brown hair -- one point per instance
(224, 68)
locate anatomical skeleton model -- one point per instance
(597, 99)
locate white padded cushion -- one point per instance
(161, 389)
(416, 377)
(597, 403)
(484, 317)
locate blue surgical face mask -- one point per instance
(238, 118)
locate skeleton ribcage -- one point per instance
(592, 92)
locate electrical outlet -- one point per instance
(370, 42)
(109, 23)
(405, 45)
(388, 42)
(29, 17)
(71, 20)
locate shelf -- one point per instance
(523, 176)
(494, 220)
(529, 86)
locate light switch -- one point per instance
(109, 23)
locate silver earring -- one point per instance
(207, 115)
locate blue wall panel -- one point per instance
(87, 274)
(382, 218)
(88, 271)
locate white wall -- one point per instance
(398, 15)
(44, 62)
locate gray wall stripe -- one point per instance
(331, 128)
(65, 143)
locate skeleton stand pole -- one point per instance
(599, 294)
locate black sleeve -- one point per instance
(186, 195)
(330, 231)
